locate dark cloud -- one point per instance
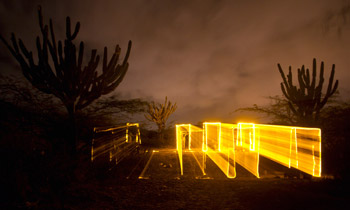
(209, 56)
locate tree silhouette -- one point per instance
(112, 111)
(278, 110)
(307, 100)
(159, 113)
(75, 85)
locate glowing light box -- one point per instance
(225, 144)
(115, 143)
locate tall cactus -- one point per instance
(307, 100)
(159, 113)
(75, 85)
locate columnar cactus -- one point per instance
(75, 85)
(159, 113)
(306, 101)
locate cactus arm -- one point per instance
(76, 84)
(305, 100)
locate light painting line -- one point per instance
(202, 169)
(146, 167)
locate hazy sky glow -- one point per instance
(210, 56)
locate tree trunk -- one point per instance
(161, 132)
(72, 135)
(161, 136)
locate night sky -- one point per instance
(209, 56)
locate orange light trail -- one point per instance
(115, 143)
(190, 137)
(226, 144)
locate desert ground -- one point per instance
(162, 187)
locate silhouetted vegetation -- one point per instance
(306, 100)
(278, 111)
(74, 84)
(110, 111)
(159, 114)
(335, 123)
(41, 154)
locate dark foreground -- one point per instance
(163, 188)
(208, 194)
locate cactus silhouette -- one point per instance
(307, 100)
(64, 75)
(159, 113)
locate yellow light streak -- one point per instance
(115, 143)
(226, 144)
(245, 152)
(193, 135)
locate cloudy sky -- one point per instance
(209, 56)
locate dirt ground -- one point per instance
(210, 194)
(162, 187)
